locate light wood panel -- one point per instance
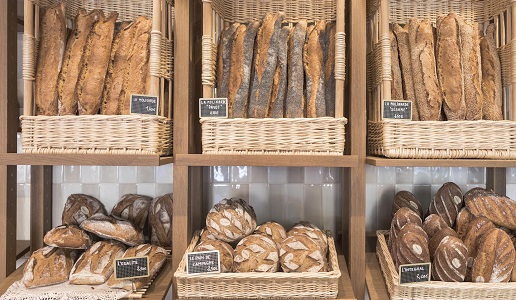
(496, 179)
(374, 279)
(267, 160)
(480, 163)
(84, 159)
(40, 205)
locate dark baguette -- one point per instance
(295, 101)
(329, 70)
(279, 85)
(223, 59)
(492, 108)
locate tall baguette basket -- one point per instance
(103, 134)
(308, 136)
(438, 139)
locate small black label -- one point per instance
(414, 273)
(213, 107)
(132, 267)
(144, 105)
(203, 262)
(397, 109)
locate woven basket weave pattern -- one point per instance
(256, 285)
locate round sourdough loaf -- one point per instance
(256, 253)
(299, 253)
(406, 199)
(133, 208)
(438, 237)
(48, 266)
(79, 207)
(231, 219)
(433, 223)
(273, 230)
(450, 260)
(412, 248)
(225, 253)
(447, 202)
(68, 236)
(312, 231)
(495, 257)
(160, 220)
(462, 222)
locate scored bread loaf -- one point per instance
(314, 70)
(329, 69)
(264, 64)
(407, 199)
(295, 101)
(499, 209)
(433, 223)
(402, 38)
(97, 53)
(224, 59)
(133, 208)
(426, 86)
(79, 207)
(462, 222)
(476, 229)
(279, 83)
(299, 253)
(438, 237)
(231, 219)
(396, 83)
(449, 262)
(256, 253)
(312, 231)
(447, 202)
(206, 235)
(449, 67)
(109, 227)
(50, 59)
(403, 216)
(412, 248)
(495, 258)
(225, 253)
(68, 236)
(240, 69)
(48, 266)
(273, 230)
(160, 220)
(491, 77)
(97, 263)
(69, 75)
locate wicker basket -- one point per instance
(436, 289)
(433, 139)
(274, 136)
(113, 134)
(257, 285)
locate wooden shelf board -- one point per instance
(481, 163)
(374, 279)
(22, 247)
(84, 159)
(267, 160)
(157, 291)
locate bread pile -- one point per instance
(467, 237)
(83, 250)
(268, 70)
(244, 247)
(94, 68)
(456, 78)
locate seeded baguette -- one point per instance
(329, 70)
(491, 77)
(295, 101)
(279, 83)
(223, 59)
(396, 83)
(314, 69)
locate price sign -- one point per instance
(415, 273)
(213, 107)
(144, 105)
(203, 262)
(397, 109)
(132, 267)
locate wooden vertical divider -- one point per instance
(40, 205)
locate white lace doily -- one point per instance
(63, 291)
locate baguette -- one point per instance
(95, 64)
(492, 108)
(449, 67)
(264, 64)
(402, 38)
(313, 62)
(137, 80)
(69, 75)
(240, 69)
(329, 70)
(113, 91)
(279, 83)
(50, 59)
(223, 59)
(295, 101)
(396, 83)
(426, 86)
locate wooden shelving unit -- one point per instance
(374, 279)
(479, 163)
(198, 160)
(84, 159)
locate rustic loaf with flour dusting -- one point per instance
(48, 266)
(299, 253)
(231, 219)
(256, 253)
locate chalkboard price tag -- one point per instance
(397, 109)
(415, 273)
(213, 107)
(203, 262)
(131, 267)
(144, 105)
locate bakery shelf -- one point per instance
(374, 279)
(22, 247)
(84, 159)
(196, 160)
(157, 290)
(480, 163)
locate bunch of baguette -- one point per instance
(458, 78)
(268, 70)
(93, 68)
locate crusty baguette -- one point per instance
(314, 69)
(264, 65)
(279, 83)
(69, 75)
(396, 83)
(223, 59)
(50, 58)
(95, 64)
(472, 71)
(449, 67)
(426, 86)
(295, 101)
(492, 108)
(137, 80)
(329, 70)
(113, 91)
(402, 38)
(240, 69)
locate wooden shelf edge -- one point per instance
(479, 163)
(375, 282)
(84, 159)
(22, 247)
(200, 160)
